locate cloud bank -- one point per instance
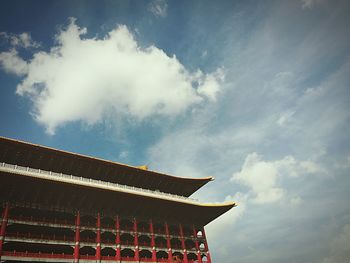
(262, 177)
(86, 79)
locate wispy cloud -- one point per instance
(283, 92)
(158, 8)
(339, 247)
(23, 40)
(12, 63)
(308, 4)
(285, 99)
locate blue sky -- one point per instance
(254, 93)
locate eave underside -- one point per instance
(16, 188)
(40, 157)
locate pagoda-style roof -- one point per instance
(49, 159)
(43, 188)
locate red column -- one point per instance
(206, 246)
(136, 241)
(170, 254)
(117, 239)
(77, 238)
(98, 238)
(153, 243)
(3, 226)
(199, 257)
(185, 260)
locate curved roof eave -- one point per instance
(169, 183)
(149, 205)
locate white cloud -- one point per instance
(262, 177)
(20, 40)
(217, 229)
(246, 121)
(340, 249)
(210, 86)
(158, 8)
(87, 79)
(285, 117)
(12, 63)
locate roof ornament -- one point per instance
(143, 167)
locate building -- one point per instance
(59, 206)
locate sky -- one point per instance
(253, 93)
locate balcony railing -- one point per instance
(37, 220)
(62, 238)
(68, 224)
(38, 173)
(86, 257)
(36, 255)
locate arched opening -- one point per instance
(108, 251)
(177, 259)
(178, 254)
(142, 226)
(175, 243)
(126, 224)
(162, 255)
(127, 253)
(107, 222)
(160, 242)
(145, 253)
(88, 220)
(192, 256)
(87, 251)
(199, 234)
(127, 239)
(87, 236)
(201, 246)
(190, 244)
(108, 237)
(174, 230)
(144, 240)
(204, 258)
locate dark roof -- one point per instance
(45, 158)
(23, 189)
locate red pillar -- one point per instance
(185, 260)
(77, 238)
(206, 246)
(117, 239)
(153, 243)
(98, 238)
(3, 226)
(136, 242)
(199, 257)
(170, 254)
